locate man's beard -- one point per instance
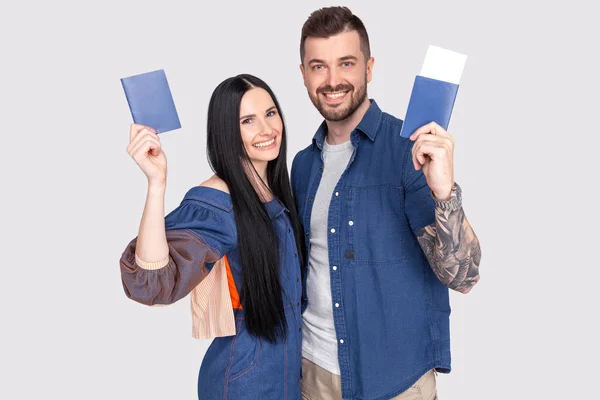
(340, 114)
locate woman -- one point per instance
(244, 213)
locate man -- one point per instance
(384, 227)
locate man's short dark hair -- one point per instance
(331, 21)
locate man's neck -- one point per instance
(339, 131)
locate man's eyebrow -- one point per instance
(344, 58)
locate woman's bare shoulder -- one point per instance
(216, 183)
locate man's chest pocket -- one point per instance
(377, 226)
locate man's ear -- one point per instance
(370, 65)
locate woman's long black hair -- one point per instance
(262, 295)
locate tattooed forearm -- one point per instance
(452, 249)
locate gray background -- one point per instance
(525, 122)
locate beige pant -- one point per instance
(320, 384)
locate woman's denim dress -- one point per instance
(200, 231)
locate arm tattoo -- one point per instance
(452, 249)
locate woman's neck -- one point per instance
(258, 179)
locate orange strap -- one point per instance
(233, 293)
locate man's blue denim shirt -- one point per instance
(392, 325)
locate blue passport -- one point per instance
(430, 100)
(150, 101)
(434, 90)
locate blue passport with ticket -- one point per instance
(434, 90)
(150, 101)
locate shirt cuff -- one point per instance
(151, 265)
